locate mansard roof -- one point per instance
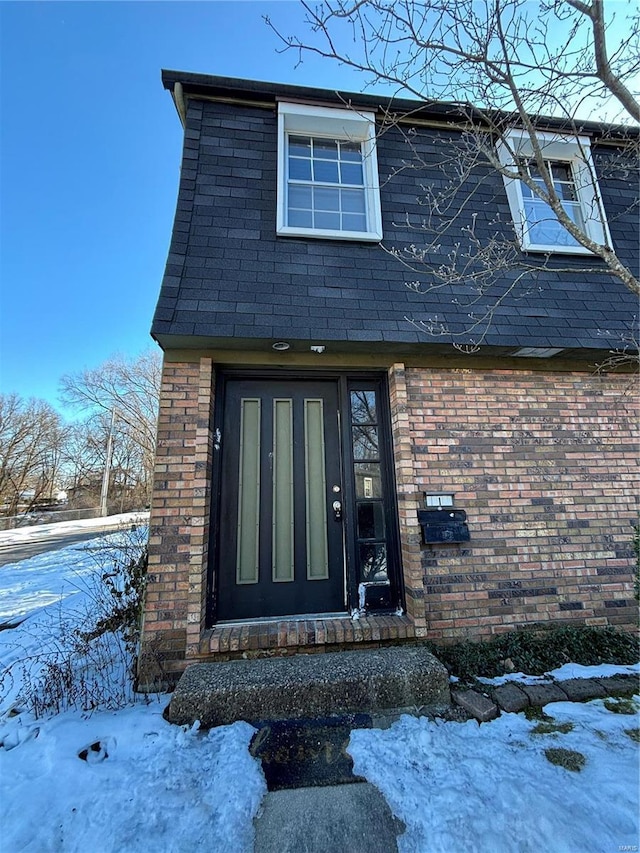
(230, 281)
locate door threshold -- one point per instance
(301, 633)
(265, 620)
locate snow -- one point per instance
(48, 578)
(563, 673)
(461, 786)
(154, 787)
(145, 784)
(118, 777)
(42, 531)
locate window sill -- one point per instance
(556, 250)
(322, 234)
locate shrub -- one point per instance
(538, 650)
(85, 657)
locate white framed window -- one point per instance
(570, 165)
(327, 173)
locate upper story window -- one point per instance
(568, 162)
(543, 226)
(327, 173)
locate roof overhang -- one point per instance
(187, 84)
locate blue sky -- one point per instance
(90, 147)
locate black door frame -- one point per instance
(344, 379)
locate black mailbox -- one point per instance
(443, 525)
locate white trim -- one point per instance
(572, 149)
(327, 122)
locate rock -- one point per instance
(582, 689)
(542, 694)
(479, 706)
(510, 698)
(620, 685)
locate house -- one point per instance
(331, 471)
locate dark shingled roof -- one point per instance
(231, 282)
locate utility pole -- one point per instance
(107, 466)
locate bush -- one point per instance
(538, 650)
(86, 658)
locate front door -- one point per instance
(281, 538)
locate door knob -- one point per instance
(337, 510)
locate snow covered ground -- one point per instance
(42, 531)
(123, 779)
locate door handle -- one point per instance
(337, 510)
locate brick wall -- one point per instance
(179, 527)
(546, 466)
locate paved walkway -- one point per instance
(345, 812)
(353, 818)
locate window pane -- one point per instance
(353, 201)
(373, 563)
(365, 442)
(351, 173)
(316, 489)
(325, 198)
(368, 480)
(370, 520)
(561, 172)
(566, 192)
(543, 227)
(282, 494)
(527, 192)
(325, 149)
(248, 492)
(351, 151)
(354, 222)
(325, 171)
(299, 170)
(302, 218)
(363, 407)
(573, 211)
(300, 197)
(300, 146)
(534, 172)
(327, 220)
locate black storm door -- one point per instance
(281, 548)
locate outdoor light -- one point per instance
(537, 352)
(281, 346)
(318, 348)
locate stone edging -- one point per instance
(514, 696)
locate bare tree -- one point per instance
(131, 388)
(496, 65)
(31, 444)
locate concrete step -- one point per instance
(318, 685)
(327, 820)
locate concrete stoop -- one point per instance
(305, 686)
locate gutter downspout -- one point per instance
(178, 97)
